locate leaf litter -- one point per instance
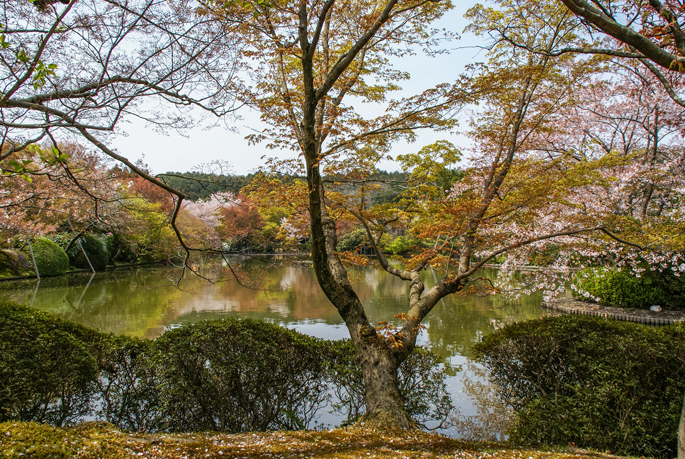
(102, 440)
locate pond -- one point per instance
(145, 302)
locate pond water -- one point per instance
(145, 302)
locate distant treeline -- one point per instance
(199, 185)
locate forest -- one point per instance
(572, 159)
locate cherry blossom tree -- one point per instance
(74, 70)
(46, 188)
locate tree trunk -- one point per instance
(681, 434)
(384, 405)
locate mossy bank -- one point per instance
(104, 441)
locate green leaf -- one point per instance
(15, 164)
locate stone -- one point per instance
(656, 308)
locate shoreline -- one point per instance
(81, 271)
(642, 316)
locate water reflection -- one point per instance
(144, 302)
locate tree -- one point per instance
(45, 188)
(241, 224)
(310, 56)
(79, 68)
(650, 33)
(649, 30)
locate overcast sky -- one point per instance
(174, 152)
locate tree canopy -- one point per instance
(574, 158)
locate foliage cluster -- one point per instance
(51, 260)
(590, 381)
(623, 288)
(229, 375)
(14, 263)
(94, 248)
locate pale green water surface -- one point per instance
(145, 302)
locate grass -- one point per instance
(103, 441)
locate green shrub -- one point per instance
(594, 382)
(61, 239)
(399, 245)
(129, 384)
(353, 240)
(119, 250)
(232, 375)
(239, 375)
(421, 381)
(15, 263)
(47, 368)
(94, 248)
(51, 260)
(622, 288)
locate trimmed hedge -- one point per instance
(47, 367)
(231, 375)
(624, 289)
(594, 382)
(51, 260)
(240, 376)
(94, 248)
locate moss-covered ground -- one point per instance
(104, 441)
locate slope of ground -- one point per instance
(103, 441)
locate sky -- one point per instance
(173, 152)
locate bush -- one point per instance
(51, 260)
(231, 375)
(129, 384)
(623, 289)
(353, 240)
(593, 382)
(47, 367)
(240, 375)
(399, 245)
(94, 248)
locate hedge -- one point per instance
(94, 248)
(594, 382)
(51, 260)
(47, 367)
(239, 376)
(227, 375)
(624, 289)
